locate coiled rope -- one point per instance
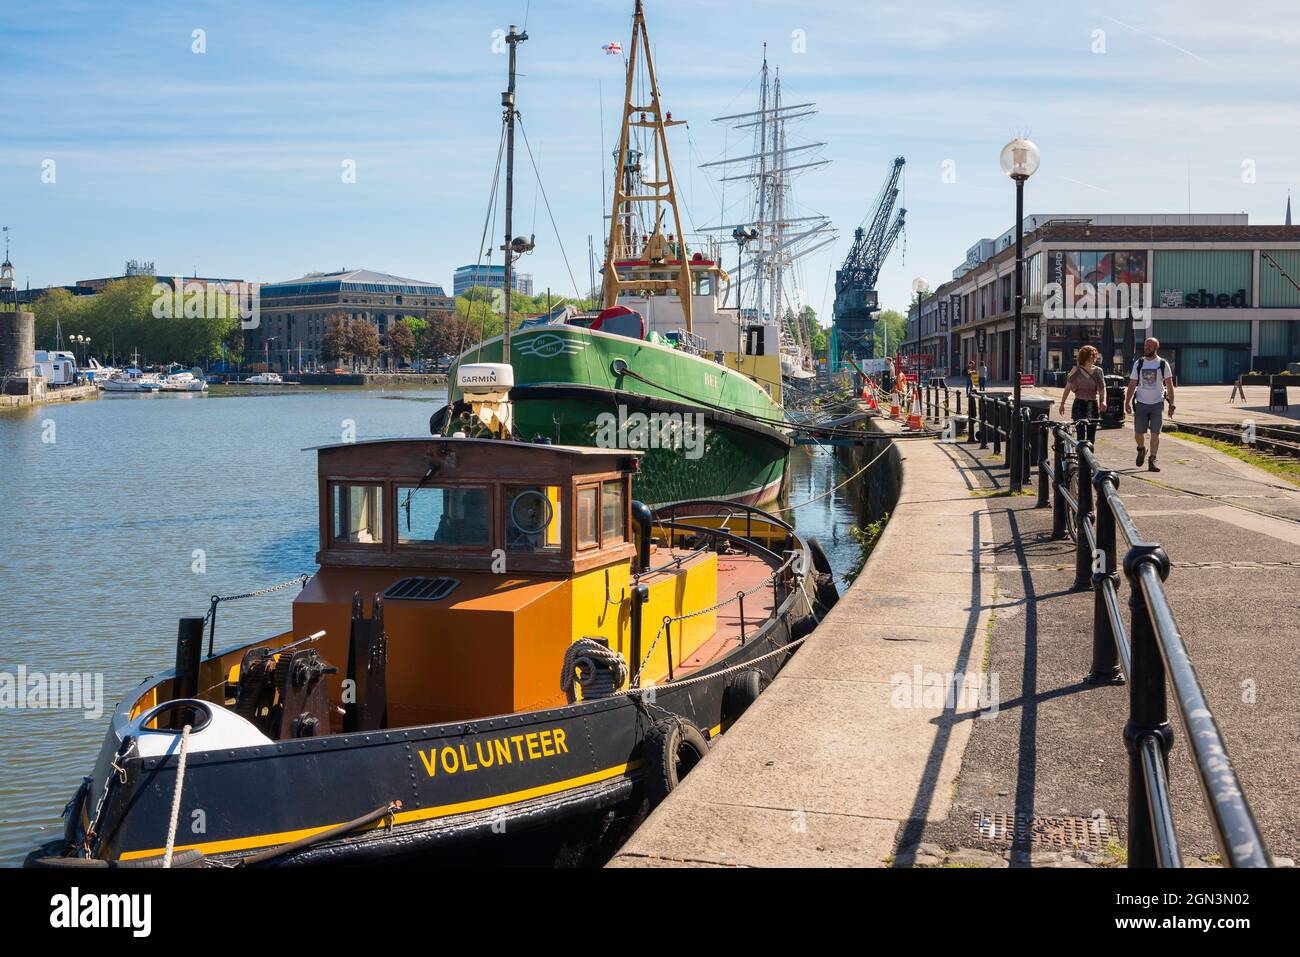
(588, 655)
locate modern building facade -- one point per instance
(1222, 296)
(294, 314)
(490, 277)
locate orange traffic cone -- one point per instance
(914, 417)
(894, 411)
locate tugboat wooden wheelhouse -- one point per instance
(498, 639)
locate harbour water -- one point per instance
(127, 513)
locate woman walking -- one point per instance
(1089, 387)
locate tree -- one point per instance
(896, 323)
(449, 336)
(137, 313)
(334, 343)
(401, 340)
(363, 342)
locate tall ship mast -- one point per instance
(775, 233)
(667, 366)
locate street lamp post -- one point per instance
(743, 238)
(920, 286)
(1019, 160)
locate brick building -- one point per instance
(294, 313)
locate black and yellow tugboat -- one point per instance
(498, 641)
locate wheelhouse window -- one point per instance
(588, 517)
(533, 518)
(357, 514)
(613, 512)
(448, 516)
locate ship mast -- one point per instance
(622, 237)
(760, 259)
(508, 106)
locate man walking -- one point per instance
(1150, 383)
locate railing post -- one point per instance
(984, 421)
(997, 426)
(1041, 464)
(1060, 511)
(1105, 652)
(1147, 706)
(1015, 450)
(1082, 555)
(1027, 443)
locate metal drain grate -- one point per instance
(1085, 833)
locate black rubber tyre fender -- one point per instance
(671, 748)
(742, 690)
(819, 558)
(50, 855)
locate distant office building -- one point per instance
(1224, 297)
(134, 268)
(490, 277)
(294, 313)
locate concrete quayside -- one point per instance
(939, 715)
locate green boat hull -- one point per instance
(706, 431)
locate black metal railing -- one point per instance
(1149, 653)
(990, 418)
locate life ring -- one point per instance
(672, 747)
(742, 690)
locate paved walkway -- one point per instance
(843, 761)
(1233, 534)
(836, 756)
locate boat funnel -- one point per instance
(486, 387)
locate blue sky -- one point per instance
(229, 162)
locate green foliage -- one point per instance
(122, 319)
(897, 325)
(866, 539)
(478, 313)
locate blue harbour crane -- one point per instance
(856, 299)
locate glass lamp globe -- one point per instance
(1019, 158)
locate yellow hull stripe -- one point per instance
(402, 817)
(405, 817)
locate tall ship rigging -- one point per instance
(775, 233)
(667, 366)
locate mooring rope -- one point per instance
(176, 797)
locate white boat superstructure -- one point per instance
(264, 378)
(183, 382)
(130, 380)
